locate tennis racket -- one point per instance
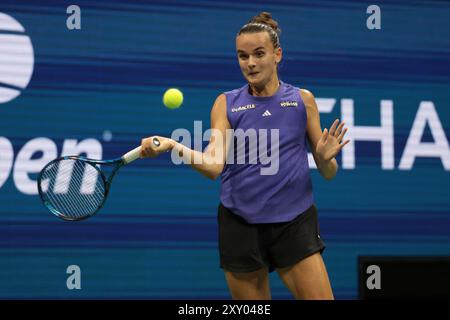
(75, 188)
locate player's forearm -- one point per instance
(328, 169)
(202, 162)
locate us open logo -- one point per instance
(16, 58)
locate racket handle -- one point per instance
(135, 153)
(131, 155)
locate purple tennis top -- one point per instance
(284, 189)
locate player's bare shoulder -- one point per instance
(310, 102)
(219, 111)
(307, 97)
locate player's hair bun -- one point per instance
(266, 18)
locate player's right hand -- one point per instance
(150, 150)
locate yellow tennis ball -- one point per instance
(173, 98)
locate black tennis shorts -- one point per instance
(246, 247)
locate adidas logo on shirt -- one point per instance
(266, 113)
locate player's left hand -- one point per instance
(330, 143)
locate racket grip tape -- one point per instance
(135, 153)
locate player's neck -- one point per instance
(269, 89)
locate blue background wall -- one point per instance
(157, 235)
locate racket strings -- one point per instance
(73, 188)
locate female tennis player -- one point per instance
(267, 222)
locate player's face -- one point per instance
(257, 57)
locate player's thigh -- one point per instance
(308, 279)
(249, 285)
